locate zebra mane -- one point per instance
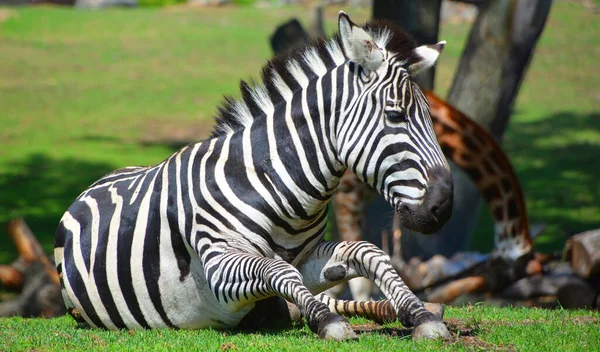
(313, 60)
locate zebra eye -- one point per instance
(395, 116)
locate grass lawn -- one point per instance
(474, 328)
(85, 92)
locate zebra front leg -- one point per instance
(334, 262)
(238, 279)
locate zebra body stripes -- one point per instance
(196, 240)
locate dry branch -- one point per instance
(33, 273)
(28, 246)
(10, 277)
(450, 291)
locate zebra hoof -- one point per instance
(431, 330)
(335, 327)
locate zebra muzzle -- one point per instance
(335, 273)
(436, 209)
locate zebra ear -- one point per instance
(426, 56)
(358, 45)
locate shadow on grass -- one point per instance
(173, 144)
(40, 189)
(279, 327)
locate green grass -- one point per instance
(84, 92)
(474, 328)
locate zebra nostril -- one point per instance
(435, 210)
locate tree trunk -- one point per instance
(493, 64)
(487, 81)
(420, 18)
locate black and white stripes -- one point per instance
(197, 239)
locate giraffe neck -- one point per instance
(476, 151)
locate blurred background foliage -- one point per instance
(86, 92)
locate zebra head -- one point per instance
(384, 133)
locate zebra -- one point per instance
(199, 239)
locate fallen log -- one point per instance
(34, 274)
(29, 248)
(450, 291)
(420, 275)
(540, 285)
(585, 253)
(576, 294)
(10, 277)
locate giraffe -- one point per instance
(476, 151)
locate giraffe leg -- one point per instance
(334, 262)
(239, 279)
(380, 312)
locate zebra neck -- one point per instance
(292, 163)
(291, 145)
(281, 137)
(260, 195)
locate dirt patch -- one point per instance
(228, 346)
(460, 328)
(175, 134)
(6, 14)
(366, 327)
(457, 328)
(585, 320)
(473, 343)
(374, 328)
(98, 341)
(464, 334)
(576, 320)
